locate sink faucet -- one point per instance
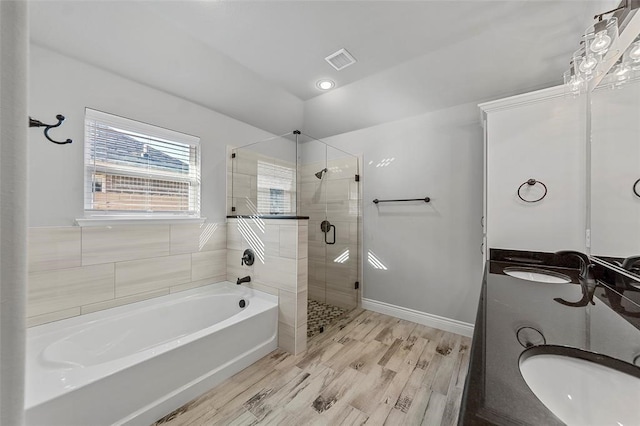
(246, 279)
(587, 281)
(585, 263)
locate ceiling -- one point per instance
(258, 61)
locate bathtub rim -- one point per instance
(46, 334)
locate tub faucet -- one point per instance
(246, 279)
(587, 281)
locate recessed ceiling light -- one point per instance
(325, 84)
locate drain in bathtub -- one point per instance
(242, 303)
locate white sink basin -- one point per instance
(583, 388)
(537, 275)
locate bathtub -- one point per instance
(136, 363)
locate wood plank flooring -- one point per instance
(367, 368)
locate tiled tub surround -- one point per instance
(133, 364)
(280, 269)
(333, 268)
(495, 391)
(78, 270)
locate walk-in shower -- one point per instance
(298, 175)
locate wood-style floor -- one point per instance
(367, 368)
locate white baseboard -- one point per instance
(435, 321)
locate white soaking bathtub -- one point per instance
(133, 364)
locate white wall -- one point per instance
(61, 85)
(540, 136)
(431, 251)
(131, 39)
(14, 44)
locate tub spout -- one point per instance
(246, 279)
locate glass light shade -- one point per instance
(605, 32)
(634, 51)
(622, 74)
(585, 63)
(573, 84)
(632, 55)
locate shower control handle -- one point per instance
(247, 258)
(326, 226)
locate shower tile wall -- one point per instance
(280, 268)
(75, 271)
(333, 268)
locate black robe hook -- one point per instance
(47, 127)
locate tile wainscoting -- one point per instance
(75, 271)
(280, 268)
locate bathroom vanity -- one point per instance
(562, 172)
(515, 314)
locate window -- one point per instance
(276, 188)
(136, 168)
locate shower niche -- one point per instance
(298, 176)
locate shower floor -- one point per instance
(320, 316)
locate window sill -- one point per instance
(129, 220)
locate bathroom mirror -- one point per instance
(614, 176)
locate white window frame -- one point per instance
(94, 217)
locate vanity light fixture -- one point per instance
(595, 44)
(633, 54)
(325, 84)
(605, 32)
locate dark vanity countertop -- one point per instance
(267, 216)
(495, 392)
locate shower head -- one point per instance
(321, 172)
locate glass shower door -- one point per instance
(341, 248)
(329, 195)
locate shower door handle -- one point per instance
(326, 226)
(334, 235)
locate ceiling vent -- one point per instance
(341, 59)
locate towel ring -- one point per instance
(635, 185)
(532, 182)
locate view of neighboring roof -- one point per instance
(115, 147)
